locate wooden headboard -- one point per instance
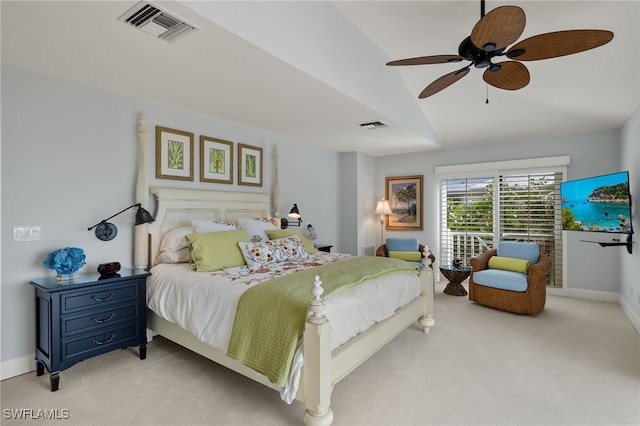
(176, 208)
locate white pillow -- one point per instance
(175, 239)
(206, 226)
(177, 256)
(256, 228)
(257, 255)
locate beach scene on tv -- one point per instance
(598, 204)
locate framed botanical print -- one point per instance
(249, 165)
(405, 199)
(174, 154)
(216, 160)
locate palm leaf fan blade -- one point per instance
(558, 43)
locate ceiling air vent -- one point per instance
(374, 125)
(153, 20)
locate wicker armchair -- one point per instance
(530, 301)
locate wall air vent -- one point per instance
(153, 20)
(374, 125)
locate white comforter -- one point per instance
(205, 303)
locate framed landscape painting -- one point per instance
(249, 165)
(405, 199)
(216, 160)
(174, 154)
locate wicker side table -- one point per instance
(455, 277)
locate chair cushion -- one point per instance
(414, 256)
(497, 278)
(520, 250)
(402, 244)
(509, 264)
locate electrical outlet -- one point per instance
(26, 233)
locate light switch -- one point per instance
(26, 233)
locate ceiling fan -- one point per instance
(489, 39)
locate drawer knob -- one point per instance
(100, 321)
(104, 342)
(102, 299)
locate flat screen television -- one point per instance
(597, 204)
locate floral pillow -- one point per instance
(257, 255)
(292, 246)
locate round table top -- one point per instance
(460, 269)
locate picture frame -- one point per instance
(249, 165)
(174, 154)
(405, 200)
(216, 160)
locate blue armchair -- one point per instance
(408, 249)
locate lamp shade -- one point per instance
(143, 216)
(383, 207)
(294, 213)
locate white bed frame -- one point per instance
(322, 368)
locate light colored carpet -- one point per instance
(576, 363)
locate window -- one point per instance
(479, 209)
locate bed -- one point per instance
(321, 361)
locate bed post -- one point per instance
(276, 185)
(317, 360)
(427, 285)
(141, 234)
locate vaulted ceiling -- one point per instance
(312, 72)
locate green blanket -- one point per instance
(270, 317)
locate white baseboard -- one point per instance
(17, 367)
(602, 296)
(630, 313)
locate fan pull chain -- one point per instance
(487, 101)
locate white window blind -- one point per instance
(479, 211)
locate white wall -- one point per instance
(69, 158)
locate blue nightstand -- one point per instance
(88, 316)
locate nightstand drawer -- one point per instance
(106, 318)
(99, 342)
(101, 295)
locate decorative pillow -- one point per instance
(283, 233)
(174, 239)
(509, 264)
(292, 247)
(205, 226)
(257, 255)
(413, 256)
(256, 228)
(216, 250)
(177, 256)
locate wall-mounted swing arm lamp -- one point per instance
(294, 213)
(107, 231)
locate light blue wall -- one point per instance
(69, 160)
(630, 264)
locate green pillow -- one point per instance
(413, 256)
(509, 264)
(216, 250)
(275, 234)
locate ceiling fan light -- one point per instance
(482, 63)
(515, 53)
(489, 47)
